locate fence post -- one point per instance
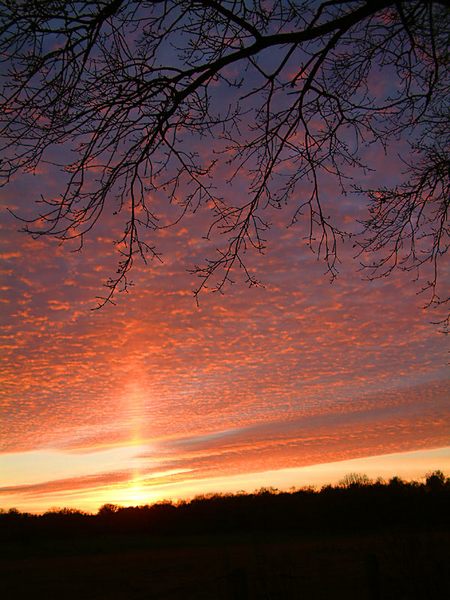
(239, 584)
(373, 576)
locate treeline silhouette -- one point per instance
(356, 505)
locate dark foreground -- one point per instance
(374, 542)
(386, 566)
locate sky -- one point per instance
(157, 397)
(293, 383)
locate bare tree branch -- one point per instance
(284, 91)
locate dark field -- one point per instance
(374, 542)
(397, 566)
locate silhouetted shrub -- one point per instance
(354, 505)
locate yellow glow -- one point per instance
(176, 484)
(135, 493)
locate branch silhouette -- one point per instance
(153, 97)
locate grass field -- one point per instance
(373, 566)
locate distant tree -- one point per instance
(354, 480)
(436, 480)
(267, 491)
(397, 482)
(153, 99)
(108, 509)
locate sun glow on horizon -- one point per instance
(184, 484)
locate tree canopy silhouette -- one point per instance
(157, 99)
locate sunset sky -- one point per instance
(297, 382)
(158, 398)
